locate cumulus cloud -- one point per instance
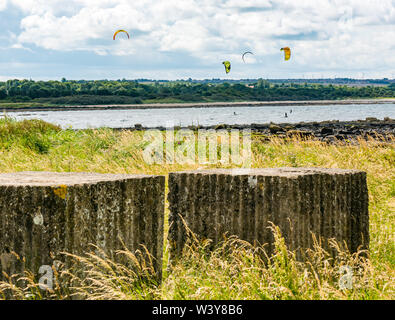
(3, 5)
(325, 35)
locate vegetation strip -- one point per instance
(28, 93)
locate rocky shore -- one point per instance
(329, 131)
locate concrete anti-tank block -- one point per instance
(45, 213)
(329, 203)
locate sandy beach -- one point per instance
(200, 105)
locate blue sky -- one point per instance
(179, 39)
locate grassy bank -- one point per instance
(80, 104)
(24, 105)
(224, 274)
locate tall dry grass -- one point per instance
(222, 274)
(234, 270)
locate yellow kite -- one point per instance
(227, 66)
(287, 53)
(115, 34)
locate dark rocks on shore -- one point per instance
(326, 131)
(372, 119)
(273, 128)
(217, 127)
(300, 133)
(329, 131)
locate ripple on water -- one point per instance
(212, 116)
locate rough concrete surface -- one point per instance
(45, 213)
(329, 203)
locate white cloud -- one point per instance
(324, 34)
(3, 5)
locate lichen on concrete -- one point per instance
(45, 213)
(329, 203)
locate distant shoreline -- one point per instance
(199, 105)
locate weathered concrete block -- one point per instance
(329, 203)
(45, 213)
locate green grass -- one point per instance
(32, 105)
(222, 274)
(58, 102)
(165, 100)
(201, 100)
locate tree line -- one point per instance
(128, 91)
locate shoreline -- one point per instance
(329, 131)
(200, 105)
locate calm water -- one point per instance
(207, 116)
